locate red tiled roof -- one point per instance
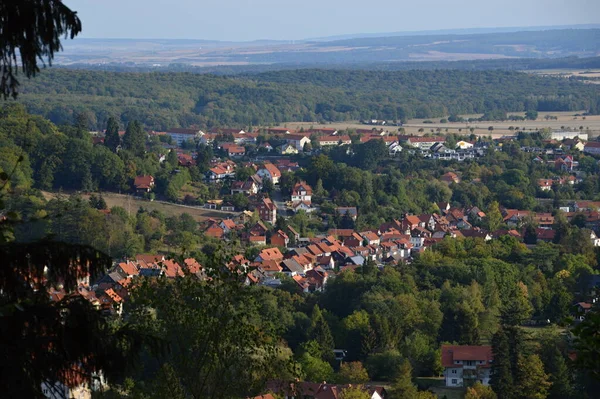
(257, 239)
(129, 268)
(271, 254)
(272, 169)
(451, 353)
(301, 186)
(144, 182)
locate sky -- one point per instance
(243, 20)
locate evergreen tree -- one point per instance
(517, 308)
(532, 382)
(320, 332)
(134, 139)
(502, 377)
(560, 376)
(403, 387)
(111, 137)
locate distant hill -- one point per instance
(540, 44)
(464, 31)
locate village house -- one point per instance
(514, 217)
(269, 171)
(301, 192)
(287, 149)
(298, 140)
(450, 177)
(265, 146)
(573, 144)
(302, 206)
(280, 239)
(248, 187)
(180, 136)
(269, 254)
(222, 170)
(592, 147)
(236, 151)
(267, 210)
(463, 145)
(143, 184)
(466, 363)
(334, 140)
(423, 143)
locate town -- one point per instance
(253, 202)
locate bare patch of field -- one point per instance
(592, 75)
(132, 204)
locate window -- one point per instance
(454, 381)
(454, 371)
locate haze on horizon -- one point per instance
(247, 20)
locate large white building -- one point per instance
(180, 136)
(464, 363)
(562, 134)
(592, 147)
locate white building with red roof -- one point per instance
(269, 171)
(466, 362)
(302, 192)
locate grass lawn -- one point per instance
(132, 204)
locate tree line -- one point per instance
(163, 100)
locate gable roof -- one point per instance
(270, 254)
(144, 182)
(272, 169)
(451, 353)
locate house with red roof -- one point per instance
(143, 184)
(298, 140)
(280, 239)
(215, 231)
(267, 210)
(269, 171)
(466, 363)
(301, 192)
(128, 269)
(236, 151)
(269, 254)
(592, 147)
(450, 177)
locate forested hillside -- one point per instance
(162, 100)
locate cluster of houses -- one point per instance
(310, 261)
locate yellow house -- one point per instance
(288, 149)
(463, 145)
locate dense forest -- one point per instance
(163, 100)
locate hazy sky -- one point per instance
(288, 19)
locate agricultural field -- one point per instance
(565, 120)
(587, 76)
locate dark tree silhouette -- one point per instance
(31, 34)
